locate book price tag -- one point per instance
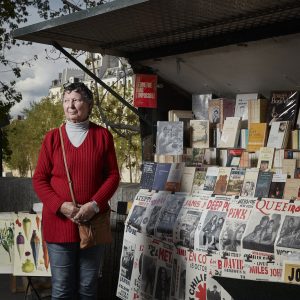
(291, 273)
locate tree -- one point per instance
(25, 136)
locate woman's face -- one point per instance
(240, 232)
(75, 108)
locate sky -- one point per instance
(35, 80)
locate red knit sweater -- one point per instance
(94, 172)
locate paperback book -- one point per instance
(199, 133)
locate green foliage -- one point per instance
(25, 136)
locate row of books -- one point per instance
(251, 182)
(171, 136)
(251, 107)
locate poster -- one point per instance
(145, 90)
(30, 251)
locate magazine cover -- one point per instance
(210, 179)
(152, 212)
(259, 239)
(211, 223)
(169, 139)
(149, 264)
(162, 287)
(30, 251)
(231, 236)
(147, 177)
(168, 216)
(215, 291)
(138, 208)
(187, 221)
(7, 230)
(178, 281)
(132, 249)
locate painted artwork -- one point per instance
(6, 243)
(31, 254)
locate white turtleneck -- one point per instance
(77, 132)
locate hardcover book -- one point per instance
(200, 106)
(161, 175)
(283, 106)
(147, 177)
(199, 133)
(174, 177)
(278, 136)
(169, 139)
(222, 180)
(231, 132)
(277, 185)
(265, 159)
(235, 182)
(292, 189)
(257, 136)
(249, 184)
(263, 184)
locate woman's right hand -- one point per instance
(69, 210)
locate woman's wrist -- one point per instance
(95, 206)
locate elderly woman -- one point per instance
(93, 168)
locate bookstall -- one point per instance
(217, 215)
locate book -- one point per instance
(257, 136)
(283, 106)
(289, 167)
(200, 105)
(244, 161)
(292, 189)
(249, 184)
(277, 185)
(265, 159)
(278, 136)
(257, 110)
(222, 180)
(187, 179)
(241, 106)
(230, 132)
(169, 139)
(147, 177)
(161, 175)
(174, 177)
(167, 158)
(199, 133)
(235, 182)
(199, 180)
(234, 157)
(215, 112)
(295, 139)
(210, 178)
(244, 138)
(185, 116)
(263, 183)
(228, 107)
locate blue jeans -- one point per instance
(74, 271)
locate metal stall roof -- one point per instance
(221, 46)
(141, 29)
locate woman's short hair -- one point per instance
(80, 88)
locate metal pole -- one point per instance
(98, 80)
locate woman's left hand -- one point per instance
(85, 213)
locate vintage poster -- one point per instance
(152, 212)
(30, 251)
(259, 238)
(168, 216)
(6, 242)
(162, 286)
(125, 287)
(178, 281)
(211, 223)
(138, 208)
(149, 266)
(215, 291)
(145, 90)
(230, 238)
(187, 221)
(287, 245)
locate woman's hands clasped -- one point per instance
(79, 214)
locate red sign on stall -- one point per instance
(145, 94)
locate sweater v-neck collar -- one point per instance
(68, 140)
